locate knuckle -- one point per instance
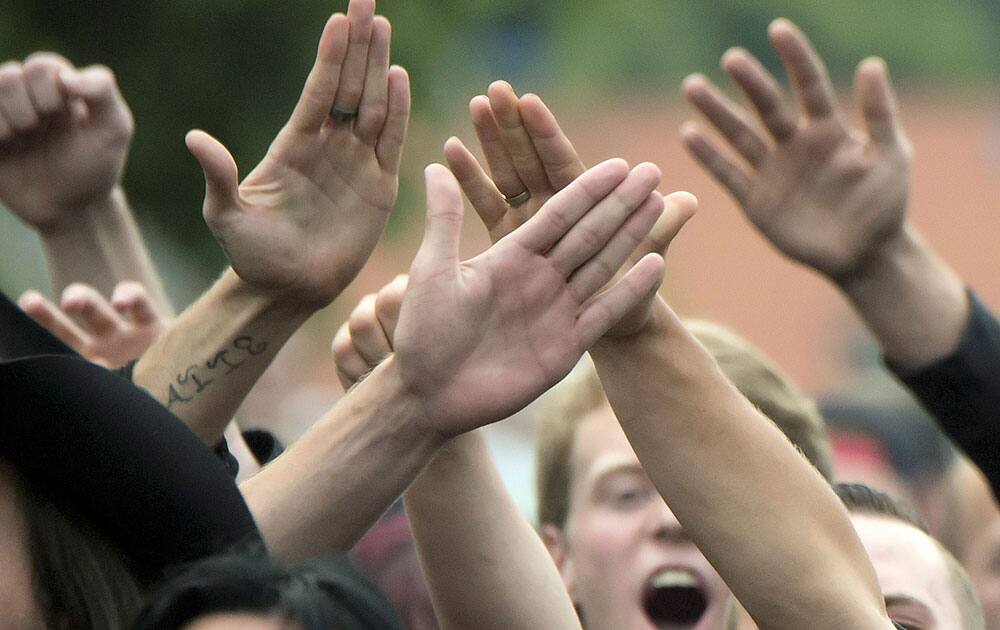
(10, 72)
(341, 345)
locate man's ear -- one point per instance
(555, 541)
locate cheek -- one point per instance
(606, 538)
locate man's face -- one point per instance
(911, 571)
(625, 559)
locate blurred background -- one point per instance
(611, 72)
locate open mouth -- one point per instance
(674, 599)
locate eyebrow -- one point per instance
(616, 468)
(906, 600)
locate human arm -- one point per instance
(834, 198)
(64, 138)
(478, 554)
(768, 523)
(475, 342)
(296, 230)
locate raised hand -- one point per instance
(678, 207)
(303, 222)
(477, 341)
(824, 193)
(526, 151)
(109, 334)
(64, 137)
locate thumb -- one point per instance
(221, 176)
(678, 207)
(96, 86)
(439, 250)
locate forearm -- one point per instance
(101, 246)
(323, 493)
(486, 566)
(762, 515)
(206, 362)
(911, 300)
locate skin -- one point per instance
(619, 532)
(477, 552)
(296, 230)
(64, 139)
(911, 572)
(835, 197)
(520, 314)
(111, 332)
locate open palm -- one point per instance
(479, 340)
(304, 221)
(823, 193)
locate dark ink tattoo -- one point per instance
(199, 377)
(221, 357)
(246, 343)
(174, 396)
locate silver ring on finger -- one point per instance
(519, 199)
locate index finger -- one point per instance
(560, 213)
(806, 69)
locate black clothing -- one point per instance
(962, 391)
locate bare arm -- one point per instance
(478, 553)
(208, 359)
(652, 341)
(64, 137)
(475, 342)
(766, 520)
(296, 230)
(486, 566)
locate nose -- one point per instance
(664, 525)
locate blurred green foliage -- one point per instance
(235, 67)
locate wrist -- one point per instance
(885, 263)
(657, 321)
(86, 217)
(245, 297)
(416, 423)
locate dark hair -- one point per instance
(79, 579)
(857, 497)
(316, 595)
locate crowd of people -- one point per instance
(683, 480)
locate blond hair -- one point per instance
(753, 374)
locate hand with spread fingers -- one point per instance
(109, 334)
(64, 137)
(529, 157)
(824, 193)
(304, 221)
(526, 150)
(478, 340)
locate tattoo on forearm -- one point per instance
(196, 378)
